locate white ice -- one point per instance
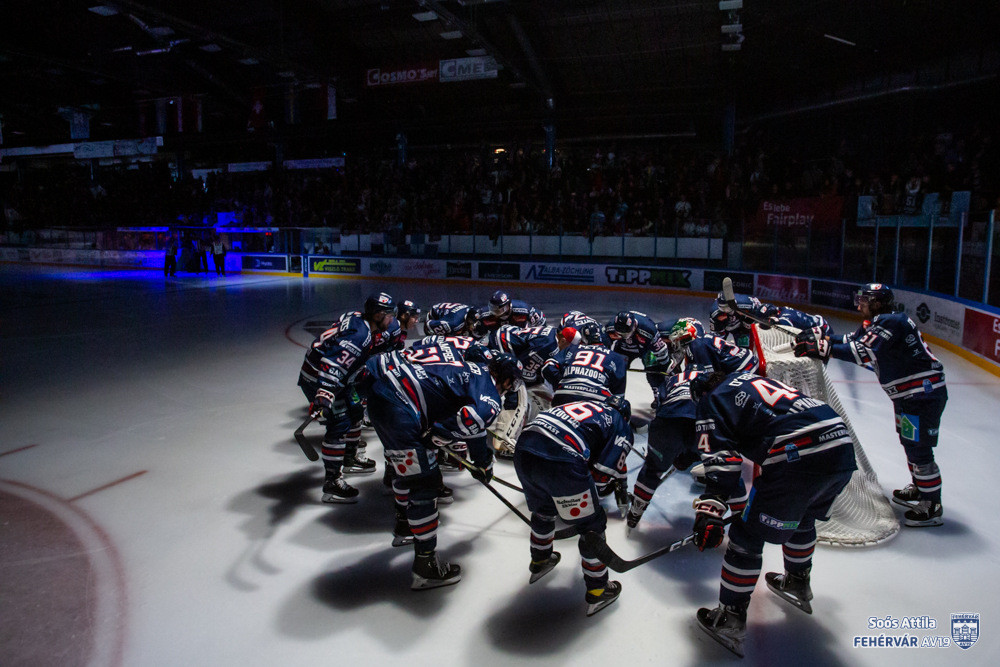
(230, 559)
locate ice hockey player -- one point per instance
(567, 458)
(807, 457)
(635, 335)
(724, 323)
(585, 370)
(789, 317)
(334, 398)
(417, 408)
(447, 319)
(690, 345)
(532, 347)
(890, 343)
(672, 444)
(514, 312)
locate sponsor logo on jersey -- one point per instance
(965, 629)
(778, 524)
(405, 463)
(571, 508)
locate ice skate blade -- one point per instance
(929, 523)
(734, 645)
(804, 605)
(339, 500)
(357, 471)
(595, 607)
(401, 540)
(421, 584)
(445, 500)
(553, 561)
(907, 505)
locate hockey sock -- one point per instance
(799, 549)
(351, 440)
(740, 566)
(402, 496)
(737, 503)
(646, 484)
(543, 531)
(333, 455)
(927, 479)
(422, 515)
(595, 573)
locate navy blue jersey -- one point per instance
(585, 373)
(575, 319)
(894, 348)
(523, 315)
(453, 398)
(771, 424)
(715, 352)
(673, 396)
(583, 430)
(532, 347)
(791, 317)
(460, 343)
(446, 319)
(647, 343)
(340, 352)
(393, 338)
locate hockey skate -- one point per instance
(791, 587)
(635, 512)
(358, 465)
(539, 570)
(609, 594)
(429, 572)
(448, 464)
(726, 625)
(445, 495)
(336, 490)
(908, 496)
(924, 514)
(401, 535)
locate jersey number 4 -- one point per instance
(772, 391)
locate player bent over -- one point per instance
(326, 379)
(566, 459)
(416, 408)
(585, 369)
(807, 457)
(911, 376)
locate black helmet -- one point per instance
(500, 304)
(379, 302)
(703, 384)
(874, 293)
(625, 324)
(477, 322)
(505, 367)
(591, 333)
(621, 404)
(407, 307)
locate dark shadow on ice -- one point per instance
(544, 620)
(268, 505)
(954, 538)
(373, 512)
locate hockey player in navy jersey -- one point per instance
(567, 458)
(585, 370)
(724, 323)
(890, 343)
(514, 312)
(327, 379)
(447, 319)
(417, 408)
(636, 336)
(532, 347)
(690, 345)
(671, 443)
(807, 457)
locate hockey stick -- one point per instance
(468, 466)
(560, 534)
(730, 297)
(606, 554)
(307, 448)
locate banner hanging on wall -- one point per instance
(815, 212)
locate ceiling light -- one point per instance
(499, 150)
(425, 16)
(210, 48)
(104, 10)
(249, 61)
(451, 34)
(476, 52)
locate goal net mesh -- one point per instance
(861, 515)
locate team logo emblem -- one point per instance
(382, 298)
(965, 629)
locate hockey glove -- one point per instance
(438, 436)
(605, 484)
(320, 407)
(812, 343)
(484, 475)
(510, 400)
(709, 529)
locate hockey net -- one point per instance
(861, 515)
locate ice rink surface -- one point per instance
(154, 509)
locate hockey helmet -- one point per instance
(500, 304)
(703, 384)
(624, 325)
(380, 302)
(505, 368)
(684, 331)
(591, 333)
(874, 294)
(621, 404)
